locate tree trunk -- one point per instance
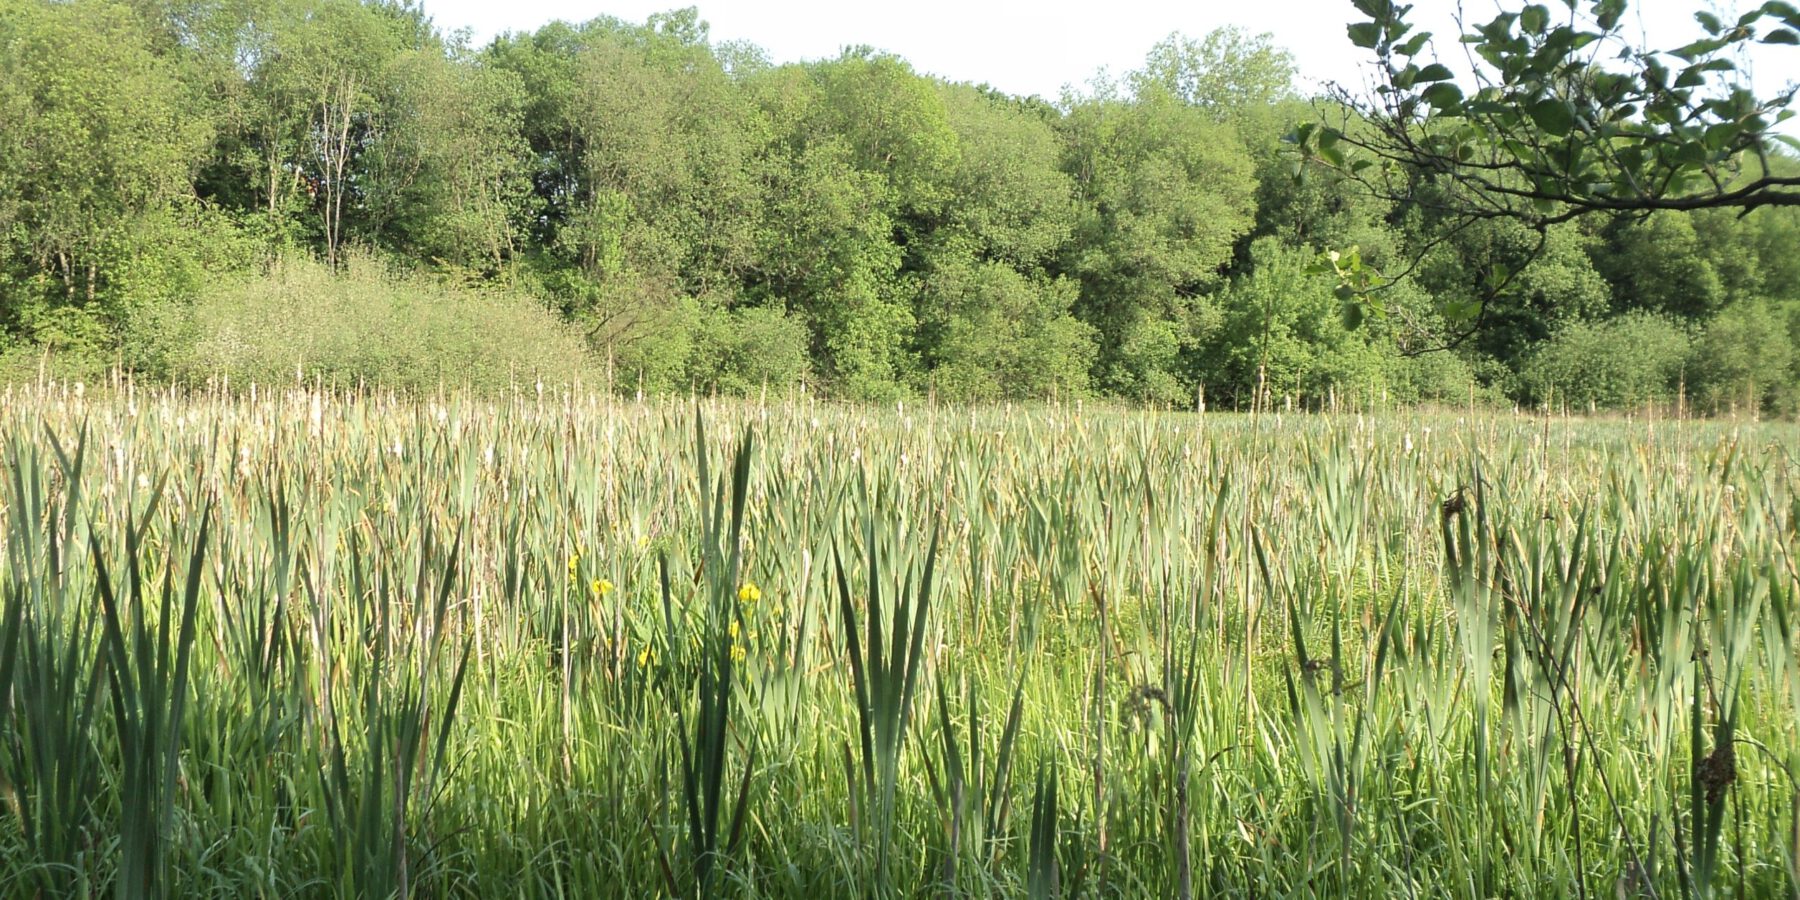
(335, 116)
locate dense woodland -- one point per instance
(268, 189)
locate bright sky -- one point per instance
(1038, 47)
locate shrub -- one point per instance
(741, 351)
(1282, 327)
(1742, 361)
(369, 325)
(1009, 337)
(1617, 363)
(1433, 377)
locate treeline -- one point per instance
(265, 188)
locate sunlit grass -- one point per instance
(309, 644)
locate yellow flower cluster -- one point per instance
(599, 586)
(733, 630)
(749, 593)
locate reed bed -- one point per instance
(310, 644)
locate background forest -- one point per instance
(271, 189)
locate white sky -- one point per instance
(1038, 47)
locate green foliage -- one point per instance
(1003, 336)
(1012, 198)
(451, 179)
(827, 255)
(894, 123)
(1322, 209)
(1436, 378)
(1743, 362)
(96, 143)
(1282, 328)
(1560, 117)
(749, 349)
(1237, 78)
(1663, 266)
(1166, 194)
(1618, 364)
(704, 219)
(1772, 233)
(1550, 279)
(1563, 116)
(368, 326)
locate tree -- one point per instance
(1618, 363)
(826, 253)
(1556, 284)
(893, 121)
(1558, 116)
(1012, 198)
(1005, 336)
(1553, 127)
(646, 188)
(447, 173)
(1237, 78)
(95, 140)
(1742, 361)
(1277, 332)
(1166, 193)
(1660, 264)
(319, 75)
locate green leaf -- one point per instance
(1781, 36)
(1533, 19)
(1435, 72)
(1709, 22)
(1556, 117)
(1698, 49)
(1460, 310)
(1365, 34)
(1353, 316)
(1413, 44)
(1443, 96)
(1608, 13)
